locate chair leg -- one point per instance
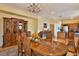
(75, 52)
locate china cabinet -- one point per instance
(11, 26)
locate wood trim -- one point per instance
(7, 12)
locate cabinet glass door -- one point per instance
(7, 25)
(14, 25)
(25, 26)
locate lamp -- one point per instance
(34, 7)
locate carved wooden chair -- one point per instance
(19, 43)
(72, 48)
(49, 35)
(77, 49)
(26, 44)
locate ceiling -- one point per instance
(52, 10)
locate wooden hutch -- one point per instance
(11, 26)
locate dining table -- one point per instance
(49, 48)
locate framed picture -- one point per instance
(45, 25)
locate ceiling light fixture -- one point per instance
(34, 7)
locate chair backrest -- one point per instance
(49, 35)
(40, 34)
(71, 35)
(61, 35)
(19, 43)
(71, 43)
(71, 47)
(26, 44)
(78, 43)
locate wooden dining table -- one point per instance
(48, 48)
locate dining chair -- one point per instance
(26, 44)
(71, 35)
(71, 48)
(19, 43)
(40, 34)
(61, 36)
(77, 49)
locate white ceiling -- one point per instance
(52, 10)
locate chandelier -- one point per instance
(34, 7)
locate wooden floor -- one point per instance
(9, 51)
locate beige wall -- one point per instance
(1, 32)
(74, 20)
(35, 23)
(41, 21)
(15, 10)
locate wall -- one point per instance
(35, 23)
(16, 10)
(41, 21)
(74, 20)
(1, 32)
